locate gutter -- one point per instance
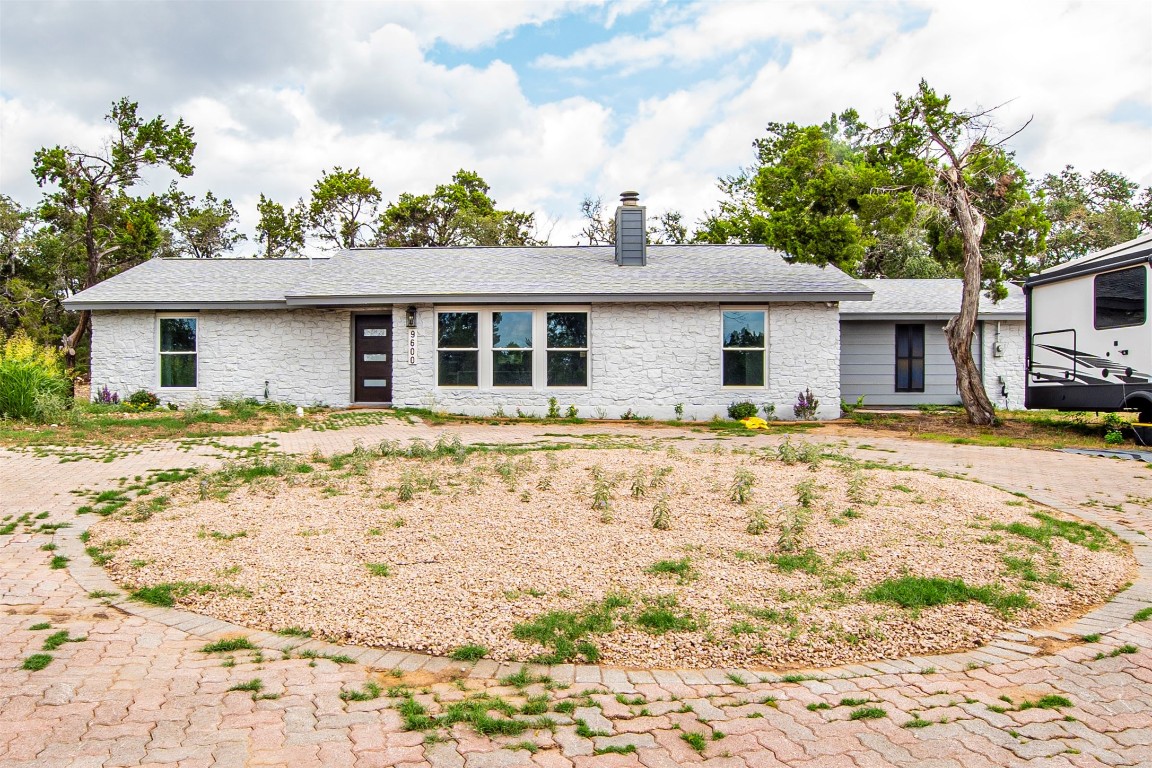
(577, 298)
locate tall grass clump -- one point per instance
(32, 380)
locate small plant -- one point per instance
(769, 411)
(143, 400)
(228, 645)
(694, 740)
(806, 493)
(573, 412)
(615, 749)
(757, 522)
(806, 405)
(369, 692)
(37, 662)
(793, 521)
(255, 685)
(739, 411)
(849, 408)
(682, 569)
(867, 713)
(1113, 437)
(294, 632)
(105, 396)
(662, 515)
(379, 569)
(818, 705)
(553, 408)
(58, 562)
(1052, 701)
(40, 625)
(740, 491)
(57, 639)
(639, 483)
(678, 409)
(1143, 614)
(786, 452)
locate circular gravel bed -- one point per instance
(763, 563)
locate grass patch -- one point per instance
(694, 740)
(255, 685)
(1129, 648)
(469, 653)
(294, 632)
(57, 562)
(367, 693)
(229, 644)
(919, 592)
(1143, 614)
(1046, 702)
(807, 561)
(1087, 535)
(40, 625)
(165, 595)
(379, 569)
(565, 633)
(57, 639)
(867, 713)
(615, 749)
(36, 662)
(681, 568)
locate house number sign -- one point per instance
(411, 346)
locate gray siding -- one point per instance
(868, 365)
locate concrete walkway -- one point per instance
(139, 691)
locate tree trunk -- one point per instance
(961, 328)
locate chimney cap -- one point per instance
(629, 197)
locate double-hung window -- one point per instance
(909, 358)
(458, 349)
(177, 352)
(744, 346)
(567, 349)
(512, 349)
(517, 347)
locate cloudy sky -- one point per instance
(554, 100)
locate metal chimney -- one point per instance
(631, 231)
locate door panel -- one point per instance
(373, 365)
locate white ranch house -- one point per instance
(608, 329)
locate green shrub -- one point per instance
(32, 380)
(143, 400)
(742, 410)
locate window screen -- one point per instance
(1121, 297)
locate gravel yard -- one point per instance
(763, 562)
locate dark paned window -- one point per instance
(567, 349)
(177, 352)
(458, 349)
(744, 346)
(511, 349)
(1121, 298)
(909, 358)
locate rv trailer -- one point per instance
(1089, 338)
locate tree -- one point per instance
(204, 231)
(929, 193)
(1088, 214)
(280, 230)
(93, 211)
(342, 210)
(668, 227)
(460, 213)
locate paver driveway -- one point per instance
(139, 691)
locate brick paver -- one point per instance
(138, 690)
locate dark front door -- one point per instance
(373, 368)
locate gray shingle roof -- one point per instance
(927, 299)
(199, 282)
(388, 275)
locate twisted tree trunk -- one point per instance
(961, 328)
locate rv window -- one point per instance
(1121, 297)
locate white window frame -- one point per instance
(767, 319)
(485, 350)
(159, 353)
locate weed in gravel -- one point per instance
(639, 483)
(793, 521)
(807, 561)
(858, 488)
(379, 569)
(659, 476)
(469, 653)
(165, 595)
(37, 662)
(681, 568)
(740, 491)
(806, 493)
(367, 693)
(661, 515)
(786, 452)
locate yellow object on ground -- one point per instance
(754, 422)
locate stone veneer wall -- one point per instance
(648, 358)
(1010, 365)
(302, 354)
